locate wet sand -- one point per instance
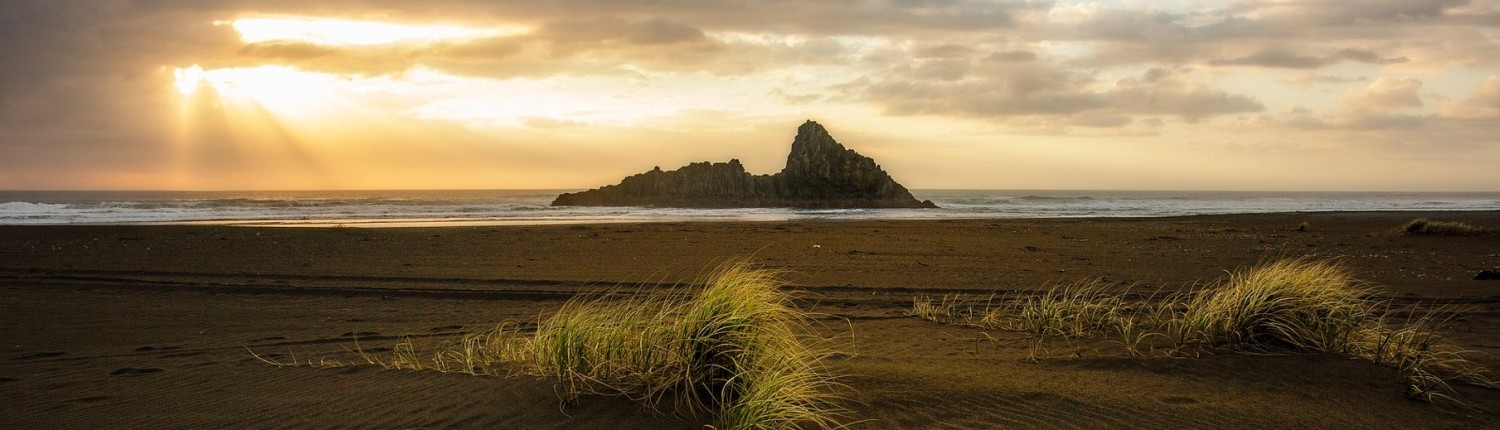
(149, 326)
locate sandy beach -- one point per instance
(153, 326)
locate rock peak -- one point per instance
(819, 173)
(811, 139)
(811, 127)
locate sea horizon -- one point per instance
(458, 207)
(578, 189)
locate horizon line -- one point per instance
(1164, 190)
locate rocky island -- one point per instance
(819, 173)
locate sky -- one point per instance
(1359, 95)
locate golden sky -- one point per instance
(388, 94)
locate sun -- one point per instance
(287, 90)
(187, 79)
(281, 89)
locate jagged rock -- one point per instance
(819, 173)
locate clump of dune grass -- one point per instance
(1302, 305)
(736, 350)
(1428, 362)
(948, 309)
(1075, 310)
(1079, 310)
(1288, 305)
(1423, 226)
(1071, 310)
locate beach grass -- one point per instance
(734, 349)
(1424, 226)
(1074, 310)
(1302, 305)
(497, 352)
(1430, 364)
(948, 309)
(1083, 309)
(1288, 306)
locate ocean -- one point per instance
(502, 207)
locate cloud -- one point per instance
(1386, 94)
(1280, 34)
(1484, 104)
(546, 122)
(604, 33)
(287, 50)
(87, 84)
(1160, 91)
(1007, 56)
(1298, 117)
(1317, 79)
(44, 42)
(1385, 112)
(485, 48)
(943, 51)
(1364, 56)
(849, 17)
(175, 32)
(1275, 58)
(1349, 12)
(1383, 106)
(345, 60)
(795, 98)
(1281, 58)
(1048, 96)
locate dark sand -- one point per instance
(146, 326)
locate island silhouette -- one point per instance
(820, 173)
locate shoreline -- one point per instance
(726, 217)
(1163, 252)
